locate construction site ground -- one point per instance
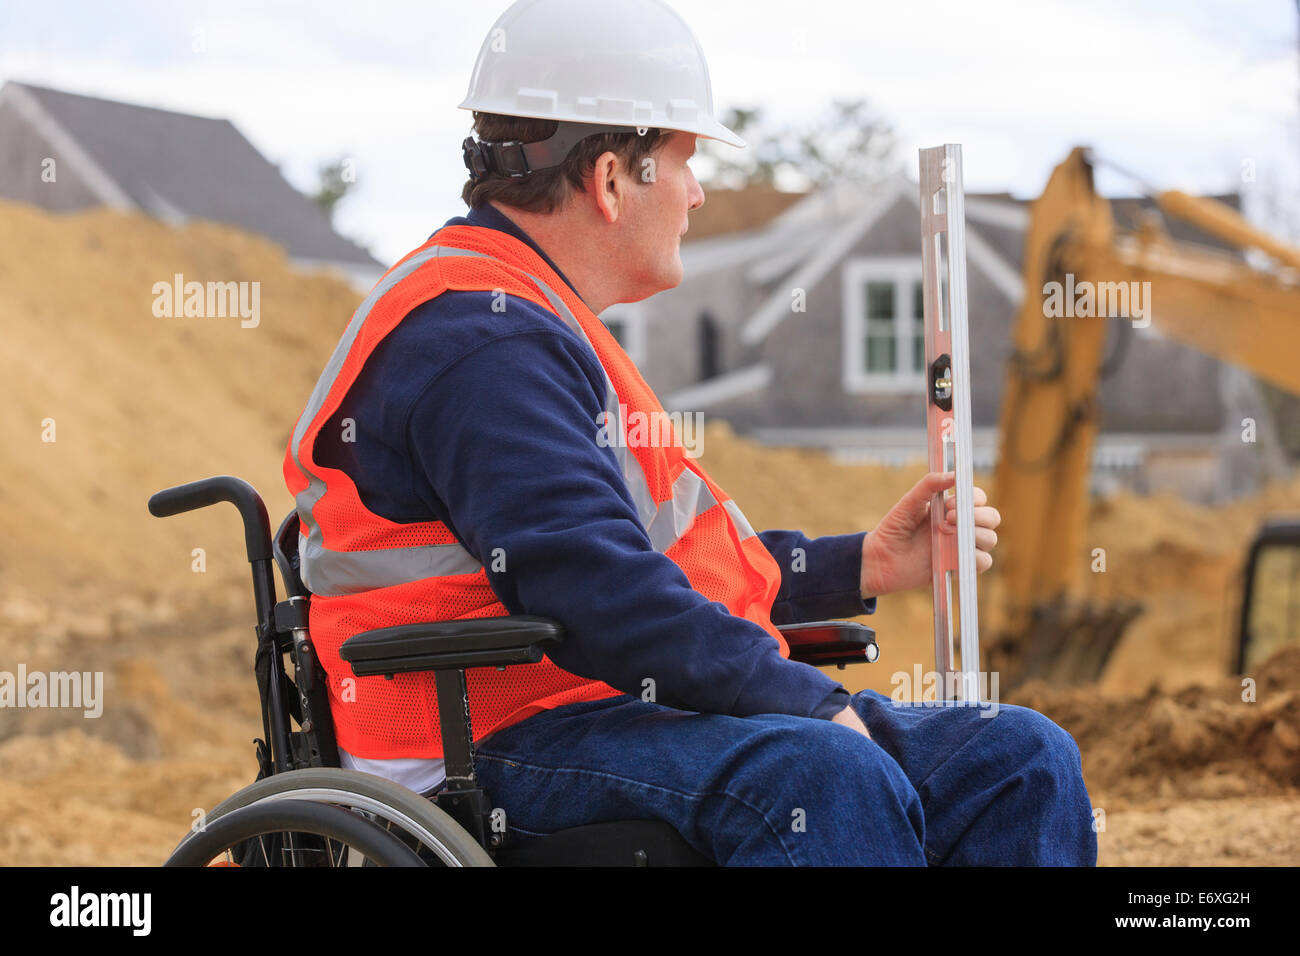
(1183, 769)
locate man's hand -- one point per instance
(896, 555)
(849, 718)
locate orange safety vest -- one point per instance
(367, 572)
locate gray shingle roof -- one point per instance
(172, 163)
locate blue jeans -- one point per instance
(938, 785)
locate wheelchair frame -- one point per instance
(298, 762)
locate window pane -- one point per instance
(918, 353)
(880, 300)
(880, 354)
(918, 302)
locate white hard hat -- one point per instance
(625, 63)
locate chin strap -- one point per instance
(517, 159)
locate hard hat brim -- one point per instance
(721, 134)
(705, 126)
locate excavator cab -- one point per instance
(1270, 594)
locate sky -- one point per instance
(1201, 95)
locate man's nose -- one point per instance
(695, 193)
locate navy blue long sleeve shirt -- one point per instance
(486, 420)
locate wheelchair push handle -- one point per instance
(210, 491)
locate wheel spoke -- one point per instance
(400, 814)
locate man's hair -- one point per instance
(546, 190)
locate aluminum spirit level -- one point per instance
(948, 420)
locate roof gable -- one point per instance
(177, 166)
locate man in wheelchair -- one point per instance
(475, 448)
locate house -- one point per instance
(64, 151)
(846, 373)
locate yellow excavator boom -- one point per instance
(1203, 297)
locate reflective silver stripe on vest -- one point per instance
(333, 573)
(742, 523)
(691, 497)
(667, 522)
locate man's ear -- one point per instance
(607, 188)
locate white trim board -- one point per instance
(705, 256)
(837, 245)
(997, 212)
(1008, 280)
(73, 154)
(721, 388)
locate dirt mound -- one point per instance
(134, 402)
(1229, 738)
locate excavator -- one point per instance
(1214, 301)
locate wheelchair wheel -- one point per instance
(294, 833)
(416, 820)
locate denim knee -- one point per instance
(1040, 740)
(831, 796)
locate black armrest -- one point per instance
(831, 642)
(450, 645)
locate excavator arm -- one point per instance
(1048, 421)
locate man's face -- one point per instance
(659, 204)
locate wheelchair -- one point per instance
(305, 809)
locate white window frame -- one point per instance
(633, 317)
(904, 272)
